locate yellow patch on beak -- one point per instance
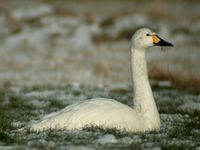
(155, 38)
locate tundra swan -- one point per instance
(108, 113)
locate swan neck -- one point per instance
(143, 99)
(141, 86)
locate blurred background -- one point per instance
(87, 43)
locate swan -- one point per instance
(109, 113)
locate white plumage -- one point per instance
(108, 113)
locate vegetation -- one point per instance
(179, 130)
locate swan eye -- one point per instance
(147, 34)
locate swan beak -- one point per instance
(157, 41)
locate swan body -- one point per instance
(108, 113)
(113, 115)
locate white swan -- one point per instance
(108, 113)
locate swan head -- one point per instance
(144, 38)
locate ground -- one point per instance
(179, 127)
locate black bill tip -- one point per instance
(162, 42)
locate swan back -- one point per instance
(106, 113)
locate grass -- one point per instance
(178, 130)
(178, 79)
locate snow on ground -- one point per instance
(190, 107)
(178, 129)
(106, 139)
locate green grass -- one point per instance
(178, 131)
